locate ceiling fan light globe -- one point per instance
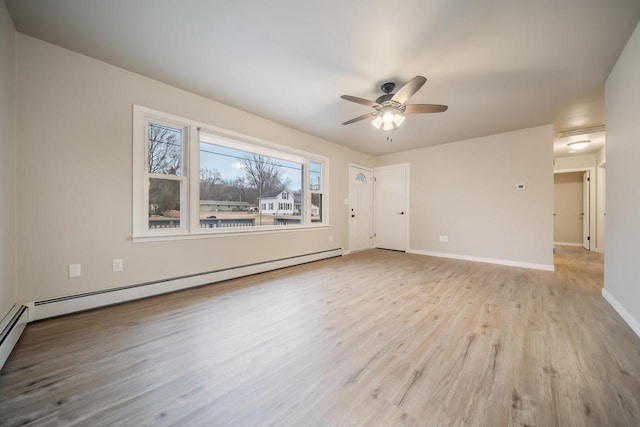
(388, 119)
(377, 122)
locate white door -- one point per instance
(390, 210)
(360, 209)
(586, 211)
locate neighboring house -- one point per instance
(283, 203)
(278, 202)
(223, 206)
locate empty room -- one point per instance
(319, 213)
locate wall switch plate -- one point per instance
(117, 265)
(331, 238)
(75, 270)
(444, 238)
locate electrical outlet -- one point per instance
(117, 265)
(75, 270)
(444, 238)
(520, 187)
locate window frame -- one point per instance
(321, 191)
(193, 134)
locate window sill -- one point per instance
(159, 237)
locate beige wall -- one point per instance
(8, 280)
(574, 162)
(622, 95)
(601, 156)
(466, 190)
(75, 187)
(567, 207)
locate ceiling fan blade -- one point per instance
(362, 117)
(359, 100)
(409, 89)
(425, 108)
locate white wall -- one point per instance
(622, 270)
(466, 190)
(75, 187)
(8, 282)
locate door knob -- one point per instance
(353, 216)
(400, 213)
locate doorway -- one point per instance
(574, 209)
(568, 213)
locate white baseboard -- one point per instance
(568, 244)
(626, 316)
(509, 263)
(69, 304)
(11, 328)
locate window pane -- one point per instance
(243, 189)
(361, 178)
(316, 207)
(315, 177)
(164, 203)
(164, 149)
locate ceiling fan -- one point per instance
(389, 109)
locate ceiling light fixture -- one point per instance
(578, 145)
(388, 118)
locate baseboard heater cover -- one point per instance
(79, 302)
(17, 320)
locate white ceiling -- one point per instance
(500, 65)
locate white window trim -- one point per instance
(324, 166)
(190, 221)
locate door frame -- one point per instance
(601, 207)
(593, 244)
(371, 246)
(407, 201)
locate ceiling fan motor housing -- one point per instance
(387, 88)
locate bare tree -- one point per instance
(262, 173)
(165, 149)
(164, 156)
(211, 184)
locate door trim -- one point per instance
(592, 202)
(407, 201)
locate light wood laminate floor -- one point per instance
(377, 338)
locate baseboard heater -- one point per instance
(13, 325)
(86, 301)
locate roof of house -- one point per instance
(272, 194)
(224, 202)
